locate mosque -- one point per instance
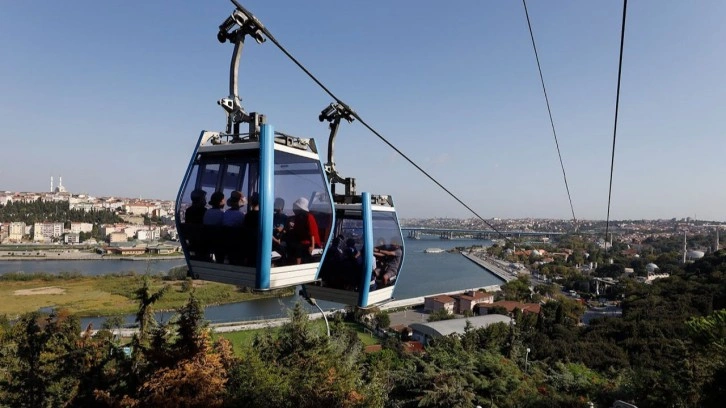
(60, 188)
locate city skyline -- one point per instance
(115, 104)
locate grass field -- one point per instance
(240, 339)
(109, 295)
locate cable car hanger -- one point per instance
(240, 24)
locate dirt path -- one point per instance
(48, 290)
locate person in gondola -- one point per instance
(234, 217)
(352, 265)
(193, 218)
(279, 242)
(212, 223)
(250, 227)
(279, 217)
(195, 213)
(304, 236)
(391, 256)
(213, 216)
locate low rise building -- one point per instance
(439, 302)
(125, 250)
(468, 300)
(425, 332)
(72, 238)
(509, 306)
(16, 231)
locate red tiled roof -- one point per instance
(442, 299)
(510, 305)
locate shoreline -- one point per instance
(491, 267)
(90, 257)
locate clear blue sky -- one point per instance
(112, 95)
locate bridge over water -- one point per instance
(449, 233)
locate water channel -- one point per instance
(422, 274)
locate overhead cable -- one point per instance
(549, 111)
(272, 38)
(615, 126)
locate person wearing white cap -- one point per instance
(304, 236)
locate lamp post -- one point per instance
(526, 360)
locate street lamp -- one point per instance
(526, 360)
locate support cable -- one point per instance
(615, 126)
(549, 111)
(363, 122)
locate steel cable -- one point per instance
(549, 112)
(615, 126)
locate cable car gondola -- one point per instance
(362, 264)
(240, 188)
(285, 190)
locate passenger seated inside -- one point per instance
(212, 227)
(195, 213)
(279, 243)
(279, 217)
(194, 217)
(250, 229)
(279, 233)
(234, 217)
(304, 236)
(352, 265)
(213, 216)
(330, 272)
(389, 260)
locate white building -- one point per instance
(108, 229)
(139, 207)
(46, 231)
(17, 230)
(72, 238)
(78, 227)
(424, 332)
(148, 234)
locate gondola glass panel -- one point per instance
(343, 276)
(297, 201)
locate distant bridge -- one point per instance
(449, 233)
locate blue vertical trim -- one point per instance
(179, 197)
(365, 284)
(267, 199)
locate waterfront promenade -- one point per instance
(77, 256)
(491, 266)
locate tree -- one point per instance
(197, 380)
(383, 320)
(517, 289)
(301, 368)
(441, 314)
(44, 369)
(145, 316)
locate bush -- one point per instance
(177, 273)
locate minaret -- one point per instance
(715, 243)
(685, 252)
(51, 184)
